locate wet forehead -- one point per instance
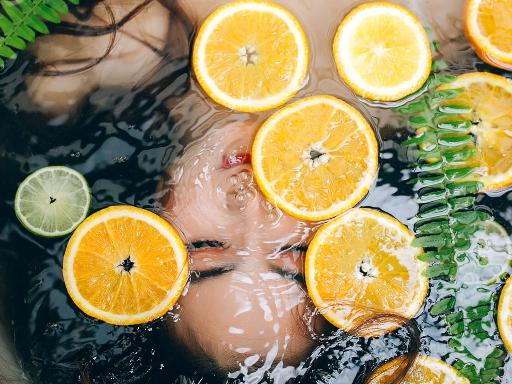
(211, 201)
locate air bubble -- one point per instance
(245, 175)
(233, 180)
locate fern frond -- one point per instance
(446, 182)
(21, 20)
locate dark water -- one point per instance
(121, 140)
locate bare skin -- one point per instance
(139, 46)
(246, 305)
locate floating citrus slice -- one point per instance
(488, 27)
(382, 51)
(505, 314)
(52, 201)
(251, 55)
(315, 158)
(425, 369)
(490, 97)
(125, 265)
(362, 265)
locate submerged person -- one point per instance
(246, 310)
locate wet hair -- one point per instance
(403, 343)
(83, 13)
(323, 364)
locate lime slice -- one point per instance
(52, 201)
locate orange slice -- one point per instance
(505, 314)
(382, 51)
(125, 265)
(490, 97)
(251, 55)
(488, 26)
(425, 369)
(315, 158)
(362, 265)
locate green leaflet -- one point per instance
(461, 202)
(414, 107)
(437, 211)
(455, 125)
(463, 188)
(443, 306)
(439, 65)
(454, 140)
(20, 20)
(429, 167)
(459, 155)
(432, 241)
(434, 227)
(441, 270)
(452, 109)
(438, 97)
(418, 121)
(436, 195)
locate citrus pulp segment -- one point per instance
(361, 265)
(125, 265)
(315, 158)
(490, 97)
(488, 26)
(52, 201)
(382, 51)
(251, 55)
(505, 314)
(425, 369)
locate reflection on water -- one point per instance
(157, 142)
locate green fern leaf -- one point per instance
(59, 6)
(441, 96)
(440, 270)
(458, 173)
(31, 20)
(414, 107)
(418, 122)
(433, 228)
(443, 79)
(21, 20)
(443, 306)
(48, 14)
(425, 138)
(447, 219)
(455, 125)
(429, 167)
(463, 188)
(461, 202)
(440, 210)
(455, 141)
(431, 241)
(437, 195)
(454, 109)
